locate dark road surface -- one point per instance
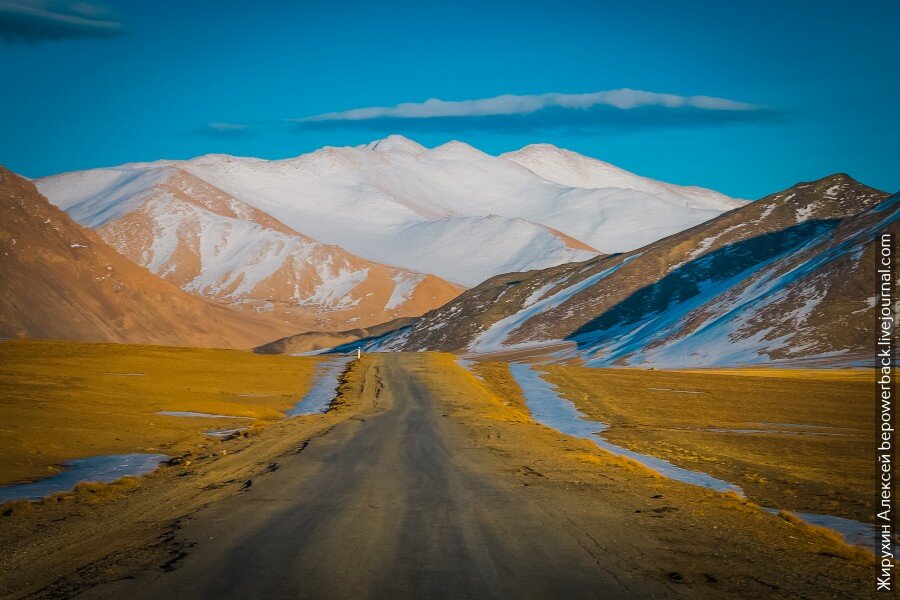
(394, 504)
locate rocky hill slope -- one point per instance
(789, 277)
(62, 281)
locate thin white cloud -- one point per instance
(45, 20)
(227, 127)
(510, 105)
(225, 130)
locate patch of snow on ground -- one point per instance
(335, 291)
(405, 285)
(493, 338)
(537, 294)
(704, 245)
(804, 213)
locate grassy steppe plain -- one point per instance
(677, 539)
(799, 440)
(63, 400)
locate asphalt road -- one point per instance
(394, 504)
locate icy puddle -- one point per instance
(223, 433)
(323, 389)
(317, 400)
(102, 469)
(109, 468)
(466, 363)
(197, 415)
(551, 409)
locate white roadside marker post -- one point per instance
(358, 352)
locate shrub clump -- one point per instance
(16, 508)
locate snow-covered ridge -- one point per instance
(575, 170)
(452, 212)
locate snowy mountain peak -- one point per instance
(287, 233)
(396, 143)
(571, 169)
(217, 159)
(543, 149)
(822, 198)
(455, 149)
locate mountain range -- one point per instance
(394, 246)
(787, 278)
(357, 236)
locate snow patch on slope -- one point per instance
(493, 338)
(405, 285)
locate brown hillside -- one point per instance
(62, 281)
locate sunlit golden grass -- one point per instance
(503, 399)
(831, 541)
(792, 438)
(498, 379)
(494, 394)
(351, 382)
(97, 493)
(803, 374)
(63, 400)
(86, 492)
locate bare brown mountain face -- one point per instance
(61, 281)
(789, 277)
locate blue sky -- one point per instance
(803, 89)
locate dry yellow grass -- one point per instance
(790, 438)
(502, 398)
(499, 381)
(830, 541)
(493, 393)
(63, 400)
(97, 493)
(16, 508)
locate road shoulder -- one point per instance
(58, 549)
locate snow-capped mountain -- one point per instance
(578, 171)
(452, 211)
(61, 281)
(221, 248)
(784, 278)
(365, 234)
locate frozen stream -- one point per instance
(103, 469)
(324, 387)
(553, 410)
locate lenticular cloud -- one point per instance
(624, 108)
